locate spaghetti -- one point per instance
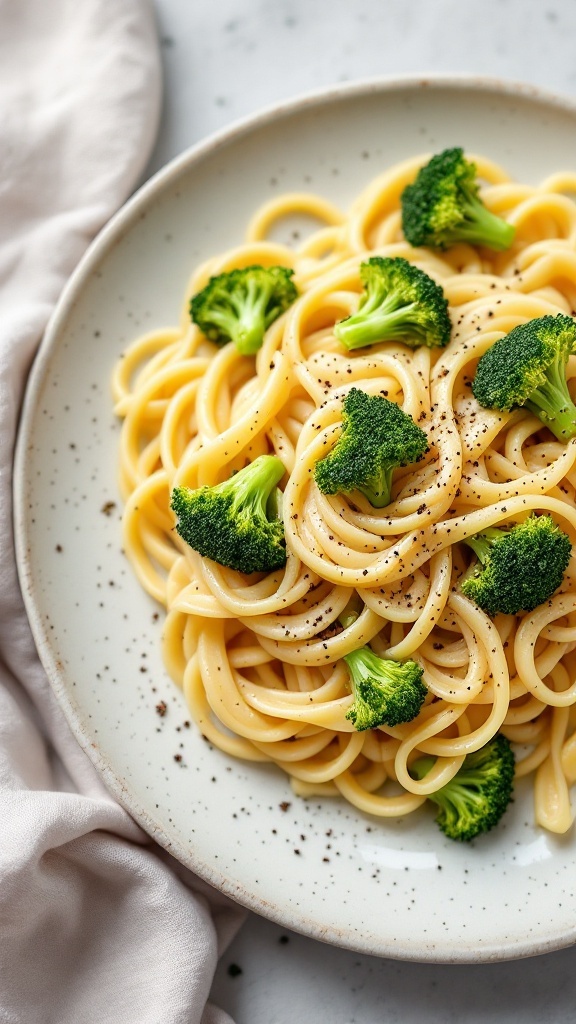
(260, 658)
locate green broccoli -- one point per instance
(442, 207)
(240, 305)
(517, 569)
(386, 692)
(377, 436)
(235, 523)
(399, 303)
(476, 798)
(528, 367)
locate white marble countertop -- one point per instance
(225, 59)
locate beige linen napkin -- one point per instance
(96, 924)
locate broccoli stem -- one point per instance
(376, 320)
(422, 766)
(226, 319)
(425, 764)
(482, 542)
(461, 794)
(379, 490)
(553, 404)
(481, 227)
(356, 660)
(253, 488)
(247, 333)
(347, 618)
(275, 504)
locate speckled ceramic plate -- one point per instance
(393, 888)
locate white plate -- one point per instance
(392, 888)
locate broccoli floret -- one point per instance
(442, 207)
(399, 303)
(377, 436)
(517, 569)
(386, 692)
(528, 367)
(476, 798)
(240, 305)
(235, 523)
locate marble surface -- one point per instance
(225, 59)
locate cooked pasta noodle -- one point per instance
(259, 658)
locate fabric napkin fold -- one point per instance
(96, 923)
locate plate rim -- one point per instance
(106, 238)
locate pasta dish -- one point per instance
(267, 658)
